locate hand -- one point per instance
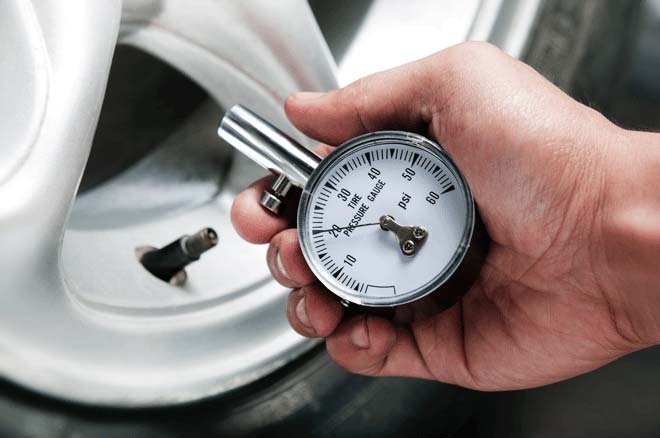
(551, 300)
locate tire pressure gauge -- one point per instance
(383, 220)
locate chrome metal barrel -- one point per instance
(267, 146)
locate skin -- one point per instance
(570, 279)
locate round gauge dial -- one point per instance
(385, 219)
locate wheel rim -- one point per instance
(79, 317)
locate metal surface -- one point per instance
(200, 242)
(396, 32)
(272, 149)
(273, 198)
(267, 146)
(80, 318)
(410, 238)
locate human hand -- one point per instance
(550, 301)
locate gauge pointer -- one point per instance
(411, 238)
(344, 228)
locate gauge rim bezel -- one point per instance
(374, 139)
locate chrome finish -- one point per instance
(197, 244)
(271, 202)
(273, 198)
(410, 238)
(268, 146)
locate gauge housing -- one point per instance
(353, 147)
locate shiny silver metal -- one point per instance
(411, 238)
(272, 149)
(272, 202)
(267, 146)
(198, 243)
(80, 318)
(273, 198)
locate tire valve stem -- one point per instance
(168, 263)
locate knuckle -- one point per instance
(479, 48)
(478, 52)
(458, 77)
(373, 369)
(354, 91)
(462, 57)
(348, 364)
(478, 379)
(357, 96)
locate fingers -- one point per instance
(313, 311)
(374, 346)
(406, 97)
(323, 149)
(384, 99)
(286, 261)
(365, 344)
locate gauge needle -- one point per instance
(344, 228)
(411, 238)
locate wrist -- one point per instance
(629, 225)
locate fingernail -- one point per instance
(301, 313)
(280, 265)
(307, 95)
(359, 336)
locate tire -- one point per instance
(310, 397)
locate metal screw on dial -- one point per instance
(411, 238)
(419, 232)
(408, 247)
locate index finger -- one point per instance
(423, 96)
(253, 222)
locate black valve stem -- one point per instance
(168, 262)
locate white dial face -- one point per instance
(343, 240)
